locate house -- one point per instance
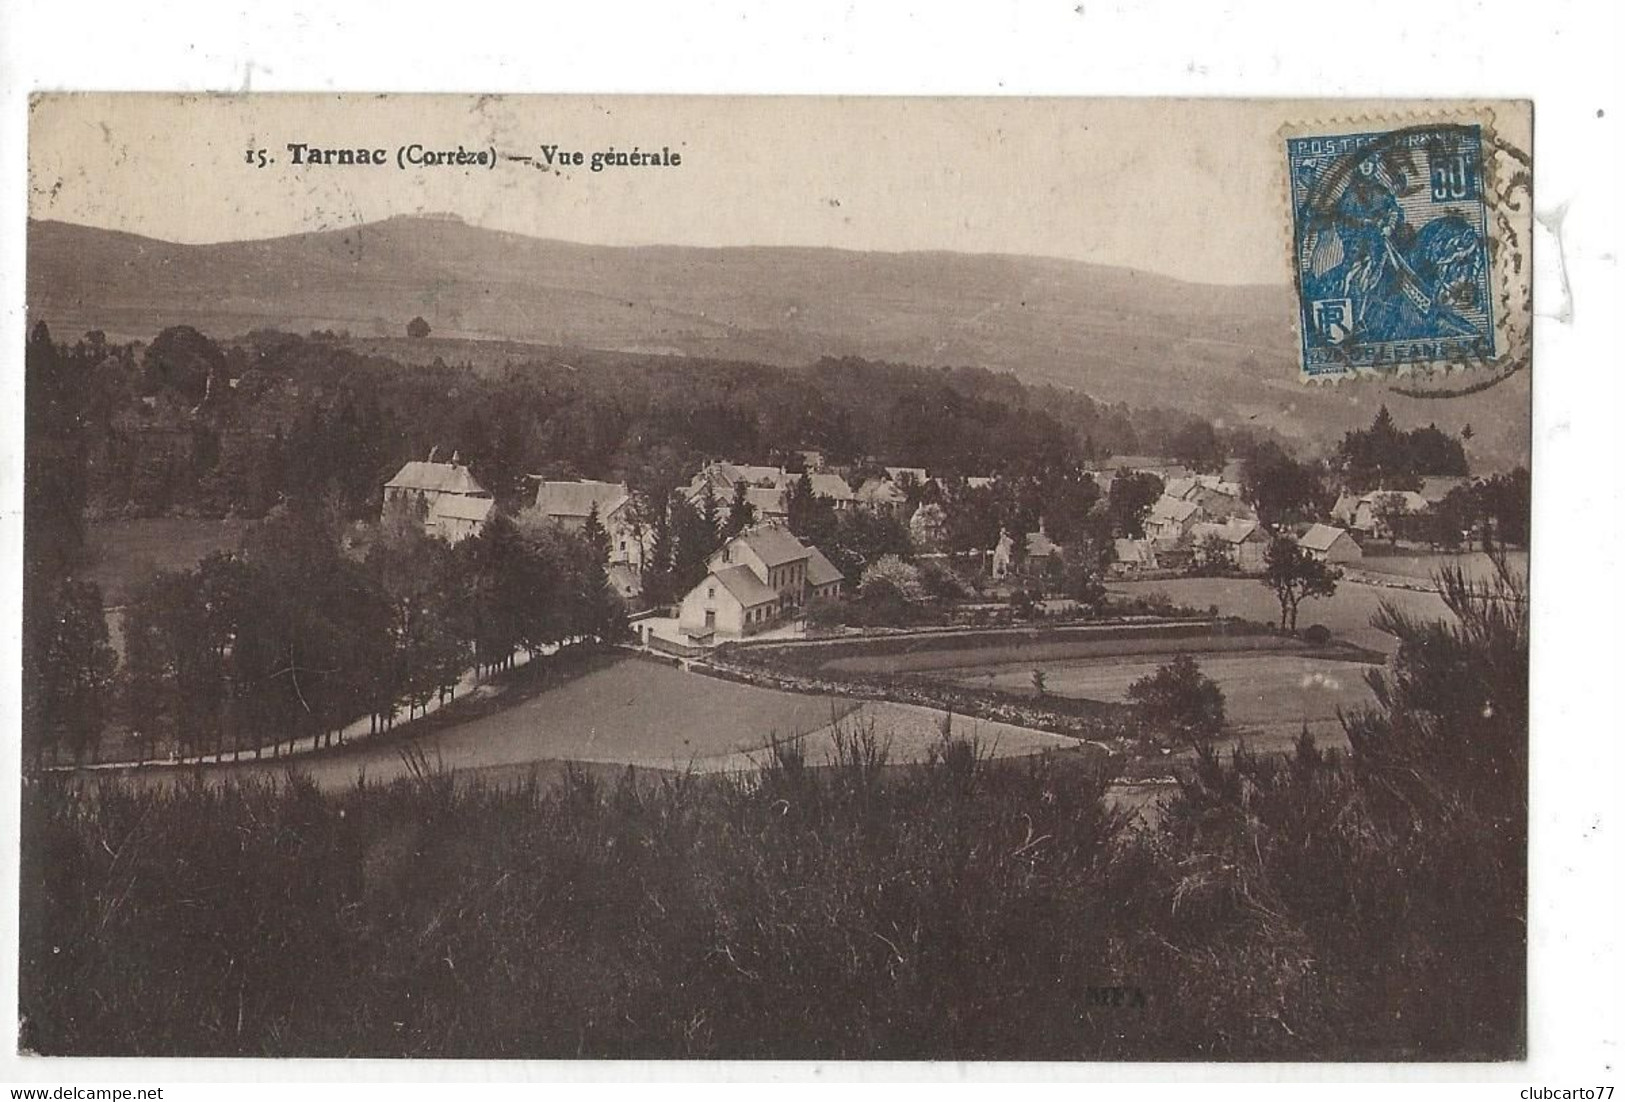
(1170, 519)
(728, 601)
(753, 580)
(1217, 498)
(1166, 469)
(823, 578)
(722, 477)
(1132, 557)
(1369, 513)
(1244, 541)
(881, 495)
(569, 503)
(1039, 549)
(928, 527)
(624, 580)
(834, 487)
(918, 474)
(1343, 512)
(1327, 544)
(454, 517)
(769, 502)
(447, 494)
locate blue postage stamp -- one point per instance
(1390, 239)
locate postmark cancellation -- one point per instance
(1410, 240)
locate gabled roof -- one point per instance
(1235, 530)
(820, 571)
(1171, 508)
(896, 473)
(1134, 551)
(830, 486)
(768, 500)
(746, 587)
(746, 472)
(1320, 537)
(576, 499)
(1436, 488)
(1179, 487)
(883, 491)
(1039, 545)
(1414, 502)
(444, 478)
(774, 546)
(461, 507)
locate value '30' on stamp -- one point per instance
(1410, 243)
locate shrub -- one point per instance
(1317, 635)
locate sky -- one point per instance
(1192, 189)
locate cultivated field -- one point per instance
(127, 552)
(1268, 697)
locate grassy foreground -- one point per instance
(962, 908)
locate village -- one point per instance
(762, 577)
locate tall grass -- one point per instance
(961, 908)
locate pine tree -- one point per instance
(741, 513)
(593, 532)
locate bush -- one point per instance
(1317, 635)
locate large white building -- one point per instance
(569, 503)
(453, 504)
(753, 581)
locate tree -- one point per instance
(1197, 446)
(741, 513)
(1391, 514)
(1129, 500)
(417, 328)
(1181, 700)
(76, 675)
(1066, 499)
(1279, 487)
(711, 509)
(1082, 564)
(1213, 552)
(891, 591)
(1293, 574)
(182, 360)
(659, 569)
(592, 530)
(694, 543)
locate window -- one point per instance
(711, 593)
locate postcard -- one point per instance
(727, 578)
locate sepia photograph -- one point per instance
(895, 578)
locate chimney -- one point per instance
(456, 459)
(434, 450)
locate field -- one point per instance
(127, 552)
(1268, 697)
(1348, 613)
(1421, 566)
(629, 711)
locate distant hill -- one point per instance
(1226, 353)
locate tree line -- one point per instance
(314, 625)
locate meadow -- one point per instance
(1268, 698)
(125, 553)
